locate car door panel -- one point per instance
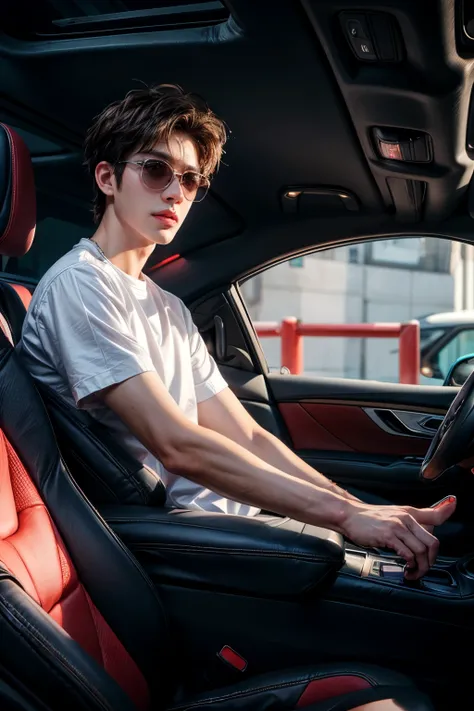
(330, 424)
(362, 434)
(367, 472)
(344, 427)
(294, 388)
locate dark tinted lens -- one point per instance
(157, 174)
(191, 182)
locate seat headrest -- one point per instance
(17, 195)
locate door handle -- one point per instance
(405, 423)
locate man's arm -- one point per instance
(224, 466)
(225, 414)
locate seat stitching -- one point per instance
(179, 522)
(241, 551)
(37, 636)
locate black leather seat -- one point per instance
(81, 625)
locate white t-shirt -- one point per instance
(90, 326)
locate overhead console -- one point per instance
(373, 36)
(404, 73)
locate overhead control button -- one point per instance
(355, 29)
(364, 49)
(373, 36)
(358, 34)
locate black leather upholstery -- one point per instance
(12, 309)
(103, 469)
(264, 556)
(271, 692)
(38, 652)
(12, 699)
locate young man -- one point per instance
(108, 339)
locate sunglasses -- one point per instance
(157, 174)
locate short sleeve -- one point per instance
(208, 380)
(84, 327)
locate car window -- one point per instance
(383, 281)
(461, 344)
(428, 336)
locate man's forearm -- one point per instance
(212, 460)
(275, 452)
(233, 471)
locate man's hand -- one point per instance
(401, 528)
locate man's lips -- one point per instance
(167, 218)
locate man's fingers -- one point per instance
(430, 542)
(434, 516)
(418, 548)
(404, 552)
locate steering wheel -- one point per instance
(453, 442)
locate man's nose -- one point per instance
(174, 191)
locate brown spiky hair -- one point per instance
(144, 117)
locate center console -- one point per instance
(445, 594)
(282, 594)
(448, 577)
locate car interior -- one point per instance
(348, 122)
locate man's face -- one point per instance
(155, 215)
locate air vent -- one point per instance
(67, 19)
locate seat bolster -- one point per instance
(49, 662)
(295, 688)
(104, 470)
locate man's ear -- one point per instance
(105, 178)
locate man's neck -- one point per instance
(127, 252)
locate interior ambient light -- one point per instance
(293, 194)
(168, 260)
(403, 145)
(392, 151)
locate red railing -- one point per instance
(291, 332)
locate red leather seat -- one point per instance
(81, 625)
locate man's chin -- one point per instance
(164, 237)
